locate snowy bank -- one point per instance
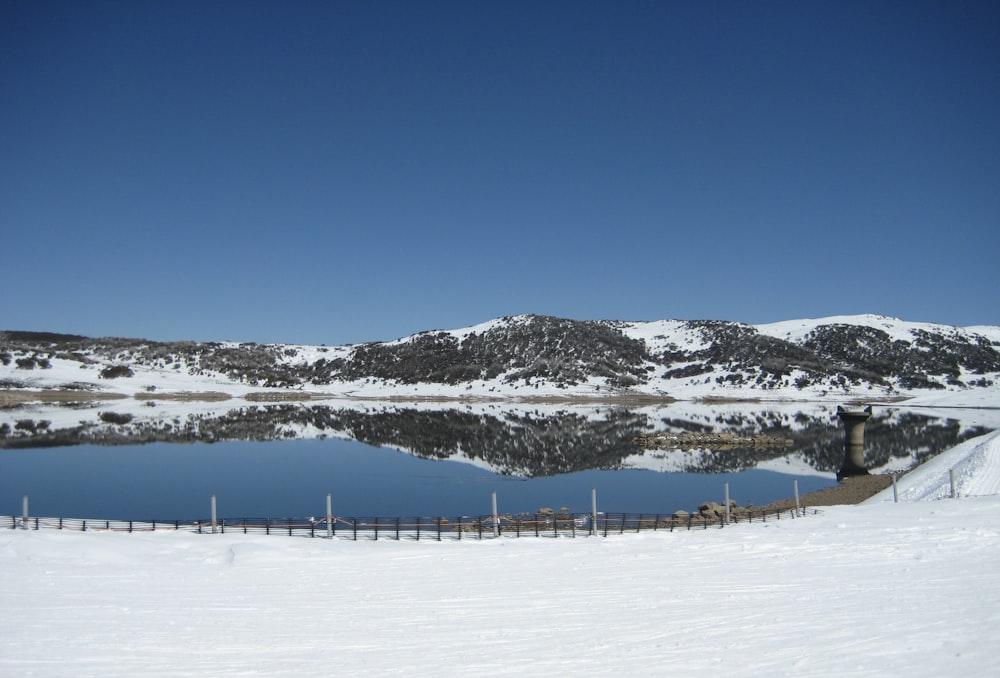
(877, 589)
(976, 467)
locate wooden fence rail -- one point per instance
(417, 528)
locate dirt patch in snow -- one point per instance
(184, 396)
(18, 397)
(852, 490)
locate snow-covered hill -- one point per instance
(866, 356)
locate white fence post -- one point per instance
(951, 480)
(496, 517)
(895, 492)
(214, 518)
(795, 484)
(329, 515)
(24, 512)
(593, 511)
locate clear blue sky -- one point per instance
(334, 172)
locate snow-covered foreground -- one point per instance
(904, 589)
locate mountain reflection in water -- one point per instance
(521, 440)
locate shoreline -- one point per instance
(850, 490)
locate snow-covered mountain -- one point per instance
(864, 356)
(525, 395)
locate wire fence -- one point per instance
(425, 528)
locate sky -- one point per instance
(339, 172)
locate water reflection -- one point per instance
(514, 440)
(292, 478)
(353, 448)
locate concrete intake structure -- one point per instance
(854, 441)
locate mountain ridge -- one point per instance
(867, 356)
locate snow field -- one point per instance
(880, 589)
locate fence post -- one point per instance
(496, 518)
(795, 484)
(951, 480)
(329, 516)
(213, 514)
(24, 512)
(895, 492)
(727, 503)
(593, 511)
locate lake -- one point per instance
(126, 460)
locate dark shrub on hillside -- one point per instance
(115, 418)
(115, 371)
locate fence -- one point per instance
(418, 528)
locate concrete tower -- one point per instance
(854, 441)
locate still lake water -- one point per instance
(165, 461)
(292, 478)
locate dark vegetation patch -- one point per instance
(116, 371)
(115, 418)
